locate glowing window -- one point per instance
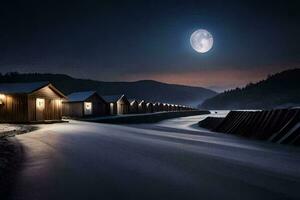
(2, 97)
(88, 108)
(40, 103)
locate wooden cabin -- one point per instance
(134, 106)
(142, 107)
(84, 104)
(118, 104)
(166, 107)
(170, 107)
(180, 107)
(155, 107)
(30, 102)
(149, 107)
(175, 107)
(160, 107)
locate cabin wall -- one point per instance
(99, 106)
(134, 108)
(122, 108)
(53, 105)
(113, 109)
(51, 111)
(73, 109)
(155, 108)
(14, 108)
(149, 108)
(142, 108)
(161, 108)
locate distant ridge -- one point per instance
(281, 90)
(144, 89)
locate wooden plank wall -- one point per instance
(14, 109)
(99, 106)
(122, 108)
(73, 109)
(76, 109)
(53, 109)
(53, 106)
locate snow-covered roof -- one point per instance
(142, 102)
(80, 96)
(133, 102)
(21, 88)
(112, 98)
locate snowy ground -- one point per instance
(168, 160)
(191, 123)
(14, 129)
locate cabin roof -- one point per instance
(80, 96)
(14, 88)
(27, 88)
(112, 98)
(133, 101)
(142, 102)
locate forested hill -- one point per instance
(145, 89)
(278, 90)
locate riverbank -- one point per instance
(280, 126)
(145, 118)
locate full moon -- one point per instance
(201, 40)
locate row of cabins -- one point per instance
(41, 101)
(83, 104)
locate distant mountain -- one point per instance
(145, 89)
(277, 91)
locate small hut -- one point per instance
(181, 107)
(29, 102)
(149, 107)
(118, 104)
(176, 107)
(155, 107)
(160, 107)
(142, 107)
(173, 107)
(169, 107)
(165, 107)
(134, 106)
(82, 104)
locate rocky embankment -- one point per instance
(279, 126)
(211, 123)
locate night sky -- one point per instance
(134, 40)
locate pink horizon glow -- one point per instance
(218, 79)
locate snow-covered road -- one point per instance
(168, 160)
